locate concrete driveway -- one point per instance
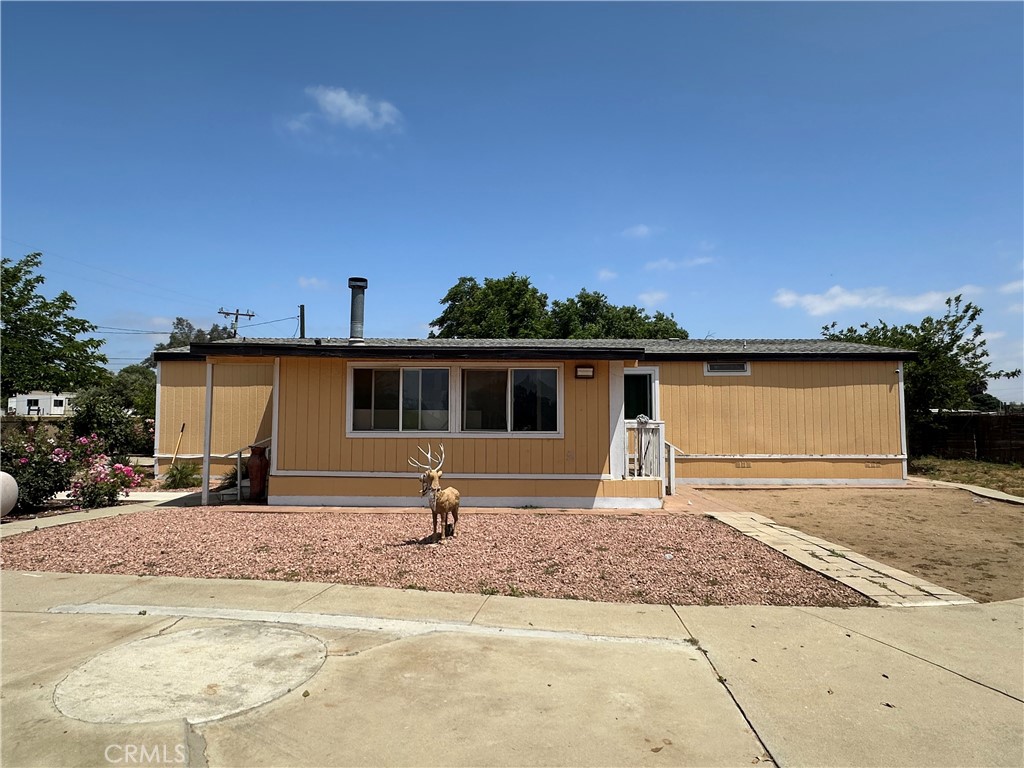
(115, 670)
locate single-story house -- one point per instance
(38, 403)
(549, 423)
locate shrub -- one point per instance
(230, 478)
(99, 483)
(184, 475)
(44, 465)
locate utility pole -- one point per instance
(302, 321)
(234, 323)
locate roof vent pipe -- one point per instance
(358, 286)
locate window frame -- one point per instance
(456, 429)
(351, 431)
(745, 372)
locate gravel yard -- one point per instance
(680, 559)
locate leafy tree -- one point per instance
(135, 387)
(952, 364)
(591, 316)
(502, 308)
(512, 308)
(184, 333)
(42, 348)
(986, 402)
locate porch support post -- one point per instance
(616, 419)
(207, 431)
(904, 448)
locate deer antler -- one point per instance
(429, 454)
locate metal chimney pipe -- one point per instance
(358, 286)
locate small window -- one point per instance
(485, 400)
(58, 403)
(727, 369)
(32, 402)
(408, 399)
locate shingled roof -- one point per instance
(545, 349)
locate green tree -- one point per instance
(135, 387)
(952, 365)
(512, 308)
(43, 348)
(502, 308)
(184, 333)
(589, 315)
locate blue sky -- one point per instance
(759, 170)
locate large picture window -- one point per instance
(407, 399)
(524, 398)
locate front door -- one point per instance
(638, 395)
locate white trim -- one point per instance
(617, 418)
(692, 481)
(207, 430)
(156, 425)
(744, 372)
(541, 502)
(455, 430)
(787, 456)
(416, 475)
(275, 398)
(904, 448)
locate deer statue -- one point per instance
(442, 500)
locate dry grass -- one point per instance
(1008, 478)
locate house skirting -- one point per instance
(763, 470)
(293, 490)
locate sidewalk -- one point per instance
(98, 669)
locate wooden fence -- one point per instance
(987, 436)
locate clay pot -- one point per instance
(258, 466)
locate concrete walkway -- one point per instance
(115, 670)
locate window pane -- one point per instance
(535, 400)
(385, 399)
(410, 399)
(362, 398)
(434, 399)
(484, 394)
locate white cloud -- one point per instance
(314, 283)
(652, 298)
(707, 246)
(349, 108)
(606, 274)
(637, 232)
(1015, 308)
(698, 261)
(1015, 287)
(661, 265)
(667, 265)
(837, 298)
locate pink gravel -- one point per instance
(679, 559)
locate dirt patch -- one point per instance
(680, 559)
(953, 538)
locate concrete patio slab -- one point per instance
(395, 603)
(819, 694)
(198, 593)
(444, 700)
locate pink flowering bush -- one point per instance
(44, 464)
(99, 483)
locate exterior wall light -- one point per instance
(584, 371)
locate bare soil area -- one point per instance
(953, 538)
(680, 559)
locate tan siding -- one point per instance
(312, 424)
(242, 405)
(524, 489)
(182, 401)
(783, 408)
